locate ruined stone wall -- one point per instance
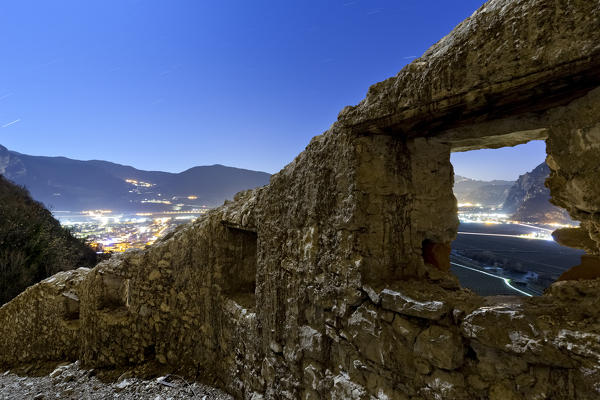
(573, 157)
(362, 207)
(414, 340)
(373, 320)
(331, 281)
(405, 199)
(42, 323)
(573, 148)
(186, 302)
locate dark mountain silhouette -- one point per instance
(529, 200)
(33, 245)
(65, 184)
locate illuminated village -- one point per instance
(109, 231)
(479, 214)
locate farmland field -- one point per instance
(512, 257)
(482, 284)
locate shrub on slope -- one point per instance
(33, 245)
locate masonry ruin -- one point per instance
(331, 281)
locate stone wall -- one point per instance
(187, 301)
(573, 154)
(332, 282)
(43, 322)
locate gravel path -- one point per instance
(72, 382)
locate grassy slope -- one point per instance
(33, 245)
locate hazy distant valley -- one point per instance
(504, 244)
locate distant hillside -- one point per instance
(65, 184)
(529, 200)
(33, 245)
(526, 200)
(486, 193)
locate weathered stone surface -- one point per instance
(580, 293)
(403, 304)
(437, 254)
(440, 346)
(426, 300)
(588, 269)
(43, 323)
(520, 335)
(503, 391)
(316, 286)
(573, 148)
(574, 237)
(444, 385)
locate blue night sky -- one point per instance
(167, 85)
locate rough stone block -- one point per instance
(403, 304)
(441, 347)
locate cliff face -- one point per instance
(529, 199)
(33, 245)
(332, 281)
(528, 186)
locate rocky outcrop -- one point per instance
(330, 282)
(529, 200)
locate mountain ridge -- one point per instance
(65, 183)
(527, 199)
